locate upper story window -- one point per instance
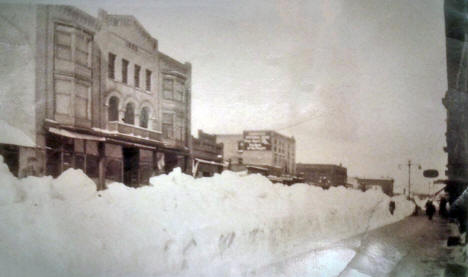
(148, 80)
(63, 42)
(111, 66)
(168, 88)
(179, 91)
(69, 38)
(136, 74)
(113, 112)
(179, 126)
(83, 48)
(144, 117)
(124, 71)
(129, 114)
(168, 125)
(72, 45)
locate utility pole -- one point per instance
(410, 164)
(409, 179)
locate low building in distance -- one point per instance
(260, 151)
(385, 184)
(93, 93)
(207, 155)
(324, 175)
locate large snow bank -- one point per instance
(226, 225)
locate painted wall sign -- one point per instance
(260, 141)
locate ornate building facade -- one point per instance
(104, 98)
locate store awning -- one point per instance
(209, 162)
(70, 134)
(257, 167)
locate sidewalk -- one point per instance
(414, 246)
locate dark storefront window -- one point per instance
(92, 166)
(114, 170)
(67, 160)
(146, 172)
(80, 162)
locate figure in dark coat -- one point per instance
(443, 208)
(391, 206)
(430, 209)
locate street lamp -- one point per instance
(410, 164)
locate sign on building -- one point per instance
(257, 141)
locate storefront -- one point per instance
(107, 160)
(204, 168)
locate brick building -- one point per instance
(264, 151)
(102, 98)
(324, 175)
(385, 184)
(207, 155)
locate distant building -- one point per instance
(264, 151)
(324, 175)
(385, 184)
(93, 93)
(207, 155)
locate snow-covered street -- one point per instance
(414, 246)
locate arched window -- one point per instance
(113, 112)
(129, 114)
(144, 116)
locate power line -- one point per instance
(315, 116)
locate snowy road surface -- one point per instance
(414, 246)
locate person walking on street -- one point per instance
(430, 209)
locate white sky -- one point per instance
(364, 78)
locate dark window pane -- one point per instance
(113, 109)
(130, 114)
(80, 162)
(137, 76)
(67, 160)
(114, 170)
(144, 116)
(111, 66)
(145, 173)
(124, 71)
(92, 164)
(148, 80)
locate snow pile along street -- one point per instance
(226, 225)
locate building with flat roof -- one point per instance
(324, 175)
(93, 93)
(207, 155)
(265, 151)
(385, 184)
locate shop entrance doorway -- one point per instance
(130, 166)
